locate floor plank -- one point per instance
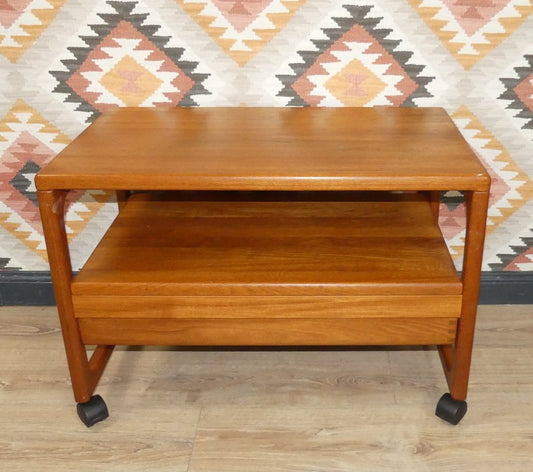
(370, 437)
(267, 409)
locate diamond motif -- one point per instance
(471, 29)
(355, 85)
(519, 91)
(240, 13)
(511, 187)
(24, 181)
(518, 256)
(130, 82)
(23, 21)
(524, 91)
(27, 143)
(523, 262)
(241, 28)
(26, 153)
(473, 15)
(11, 10)
(127, 64)
(359, 64)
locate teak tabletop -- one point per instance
(268, 149)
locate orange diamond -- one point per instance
(130, 82)
(355, 85)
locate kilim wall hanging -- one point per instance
(64, 62)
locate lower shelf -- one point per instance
(270, 269)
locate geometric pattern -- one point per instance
(27, 143)
(22, 22)
(125, 63)
(511, 187)
(519, 91)
(471, 29)
(64, 62)
(519, 257)
(355, 63)
(241, 27)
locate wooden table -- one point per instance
(268, 226)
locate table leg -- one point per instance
(434, 201)
(122, 198)
(456, 359)
(84, 373)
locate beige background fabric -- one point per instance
(64, 62)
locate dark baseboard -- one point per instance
(27, 288)
(506, 288)
(35, 288)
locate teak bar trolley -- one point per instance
(268, 226)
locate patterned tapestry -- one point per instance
(64, 62)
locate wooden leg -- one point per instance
(434, 200)
(84, 373)
(122, 198)
(456, 359)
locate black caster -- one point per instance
(451, 410)
(93, 411)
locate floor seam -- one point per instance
(194, 438)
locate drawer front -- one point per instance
(265, 332)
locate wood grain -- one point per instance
(328, 331)
(266, 410)
(275, 307)
(366, 270)
(268, 149)
(166, 252)
(84, 372)
(164, 246)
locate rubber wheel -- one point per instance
(93, 411)
(451, 410)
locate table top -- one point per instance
(245, 148)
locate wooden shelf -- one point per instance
(249, 256)
(360, 244)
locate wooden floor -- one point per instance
(267, 410)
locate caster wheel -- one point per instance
(451, 410)
(93, 411)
